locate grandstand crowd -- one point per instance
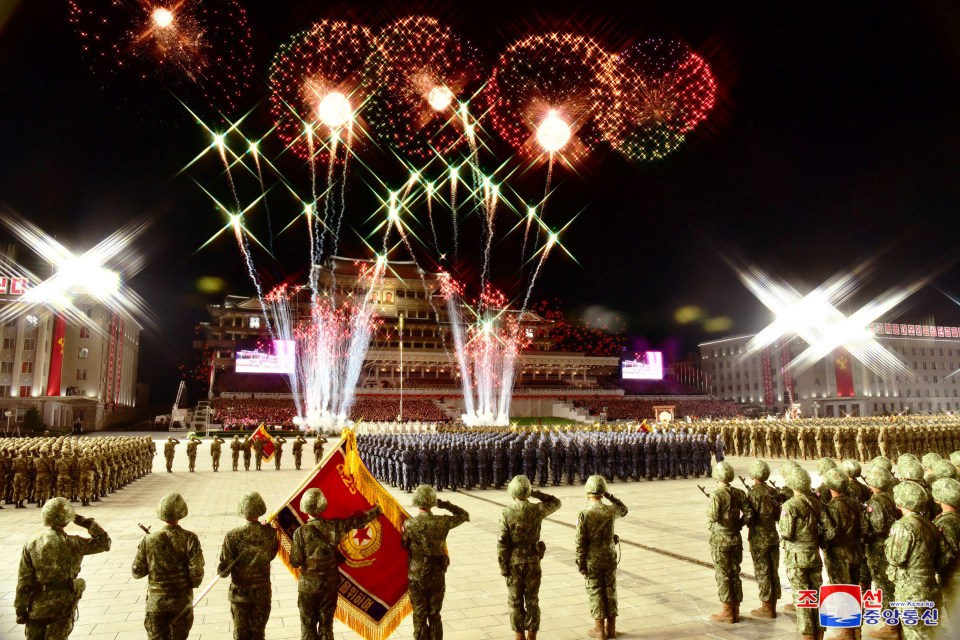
(248, 413)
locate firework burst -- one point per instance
(421, 78)
(664, 90)
(199, 45)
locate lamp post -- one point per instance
(400, 417)
(6, 431)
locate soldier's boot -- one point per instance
(20, 504)
(612, 627)
(725, 615)
(766, 610)
(40, 504)
(736, 612)
(885, 632)
(85, 503)
(532, 635)
(518, 635)
(598, 631)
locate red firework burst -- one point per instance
(316, 83)
(543, 94)
(664, 91)
(203, 46)
(421, 77)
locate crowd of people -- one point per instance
(619, 408)
(249, 413)
(34, 470)
(469, 459)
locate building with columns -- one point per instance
(926, 380)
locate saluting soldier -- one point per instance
(215, 449)
(169, 449)
(318, 443)
(278, 443)
(236, 446)
(247, 452)
(298, 450)
(192, 444)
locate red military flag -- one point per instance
(644, 427)
(268, 446)
(373, 597)
(843, 369)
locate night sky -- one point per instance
(834, 142)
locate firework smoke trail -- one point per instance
(453, 211)
(491, 196)
(348, 145)
(263, 190)
(362, 326)
(536, 272)
(221, 145)
(311, 215)
(281, 326)
(433, 229)
(328, 195)
(526, 235)
(459, 343)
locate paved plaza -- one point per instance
(666, 583)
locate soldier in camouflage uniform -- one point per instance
(911, 552)
(48, 589)
(172, 560)
(725, 516)
(43, 482)
(840, 532)
(596, 555)
(318, 443)
(278, 443)
(65, 475)
(21, 478)
(799, 529)
(215, 449)
(245, 556)
(946, 493)
(85, 470)
(298, 443)
(424, 537)
(236, 446)
(762, 513)
(519, 551)
(192, 444)
(169, 449)
(877, 518)
(247, 452)
(314, 552)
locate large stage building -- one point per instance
(66, 369)
(838, 384)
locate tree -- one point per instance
(33, 421)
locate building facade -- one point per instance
(923, 380)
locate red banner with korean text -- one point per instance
(268, 447)
(372, 596)
(56, 355)
(843, 369)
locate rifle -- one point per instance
(146, 530)
(773, 484)
(746, 486)
(206, 590)
(702, 490)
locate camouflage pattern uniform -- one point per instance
(726, 513)
(298, 450)
(85, 470)
(876, 519)
(313, 551)
(840, 532)
(215, 448)
(169, 449)
(911, 552)
(192, 444)
(21, 478)
(762, 514)
(43, 483)
(257, 452)
(236, 446)
(947, 493)
(318, 448)
(247, 453)
(245, 556)
(518, 553)
(278, 443)
(48, 589)
(799, 529)
(172, 560)
(596, 554)
(424, 538)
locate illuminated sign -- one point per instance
(650, 368)
(925, 331)
(281, 360)
(13, 286)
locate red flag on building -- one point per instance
(372, 596)
(56, 356)
(843, 369)
(268, 447)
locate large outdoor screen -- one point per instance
(649, 368)
(267, 356)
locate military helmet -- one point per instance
(947, 491)
(519, 487)
(851, 468)
(955, 458)
(798, 479)
(595, 485)
(313, 502)
(882, 462)
(910, 470)
(722, 472)
(834, 479)
(236, 437)
(909, 495)
(788, 466)
(928, 459)
(879, 478)
(906, 456)
(943, 469)
(172, 507)
(252, 505)
(57, 513)
(824, 464)
(759, 470)
(424, 497)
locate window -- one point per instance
(26, 367)
(4, 391)
(255, 322)
(81, 374)
(6, 367)
(401, 293)
(8, 343)
(30, 344)
(84, 332)
(83, 353)
(24, 392)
